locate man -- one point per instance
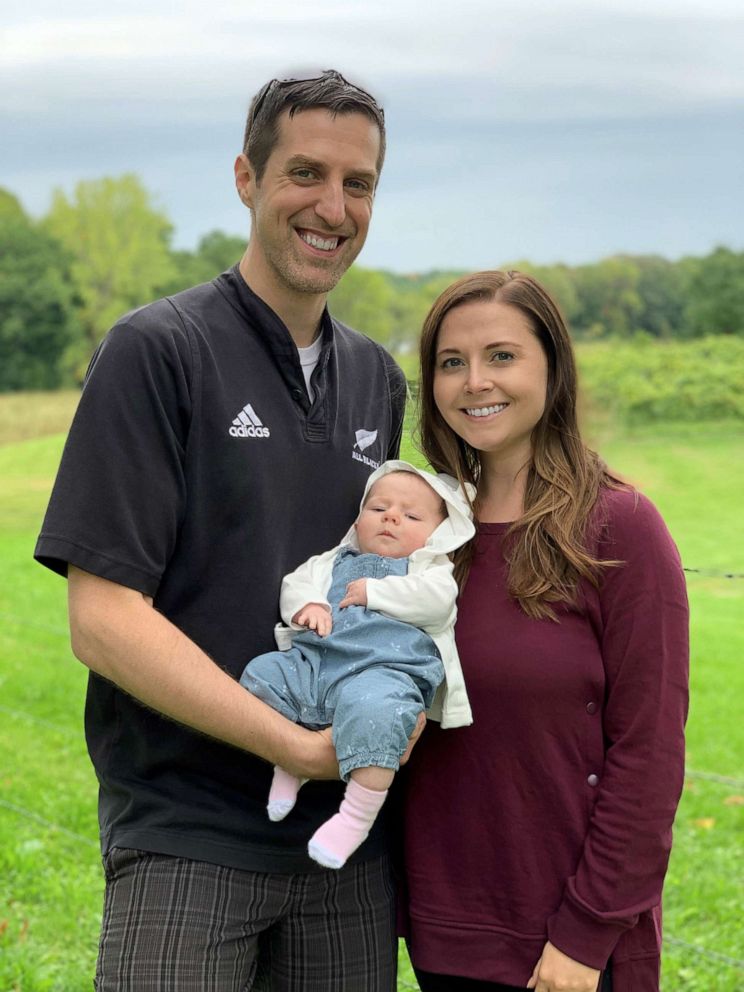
(212, 425)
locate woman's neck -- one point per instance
(501, 490)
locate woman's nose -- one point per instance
(478, 379)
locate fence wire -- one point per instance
(703, 952)
(713, 573)
(29, 814)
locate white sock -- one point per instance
(283, 793)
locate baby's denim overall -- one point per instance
(369, 678)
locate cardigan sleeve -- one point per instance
(309, 583)
(425, 599)
(643, 624)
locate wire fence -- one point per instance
(713, 573)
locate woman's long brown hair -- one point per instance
(548, 553)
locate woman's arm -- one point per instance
(644, 641)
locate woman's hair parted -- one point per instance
(548, 553)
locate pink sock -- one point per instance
(336, 840)
(283, 793)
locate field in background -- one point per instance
(51, 892)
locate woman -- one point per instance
(536, 840)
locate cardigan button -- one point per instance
(591, 708)
(297, 393)
(593, 780)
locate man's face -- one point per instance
(312, 207)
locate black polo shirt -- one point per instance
(198, 472)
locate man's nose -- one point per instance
(331, 205)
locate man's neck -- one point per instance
(300, 312)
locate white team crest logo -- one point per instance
(364, 439)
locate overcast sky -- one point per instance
(553, 131)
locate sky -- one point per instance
(555, 131)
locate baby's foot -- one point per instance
(283, 793)
(335, 841)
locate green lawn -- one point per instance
(51, 890)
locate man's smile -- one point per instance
(322, 243)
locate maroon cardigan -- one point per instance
(551, 816)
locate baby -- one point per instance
(375, 617)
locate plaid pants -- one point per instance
(175, 925)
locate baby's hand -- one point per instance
(315, 617)
(356, 594)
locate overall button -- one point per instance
(593, 780)
(591, 708)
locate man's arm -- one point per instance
(118, 634)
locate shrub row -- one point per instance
(642, 380)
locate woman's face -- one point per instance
(490, 379)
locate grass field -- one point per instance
(51, 886)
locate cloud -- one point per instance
(513, 118)
(485, 60)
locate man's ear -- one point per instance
(244, 179)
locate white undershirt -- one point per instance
(308, 360)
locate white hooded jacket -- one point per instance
(425, 597)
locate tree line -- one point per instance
(106, 249)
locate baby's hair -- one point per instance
(443, 513)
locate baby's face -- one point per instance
(400, 513)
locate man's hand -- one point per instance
(315, 616)
(556, 970)
(356, 594)
(417, 732)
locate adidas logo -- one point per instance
(248, 424)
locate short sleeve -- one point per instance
(398, 391)
(120, 491)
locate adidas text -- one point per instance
(251, 431)
(248, 424)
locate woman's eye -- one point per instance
(502, 356)
(451, 363)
